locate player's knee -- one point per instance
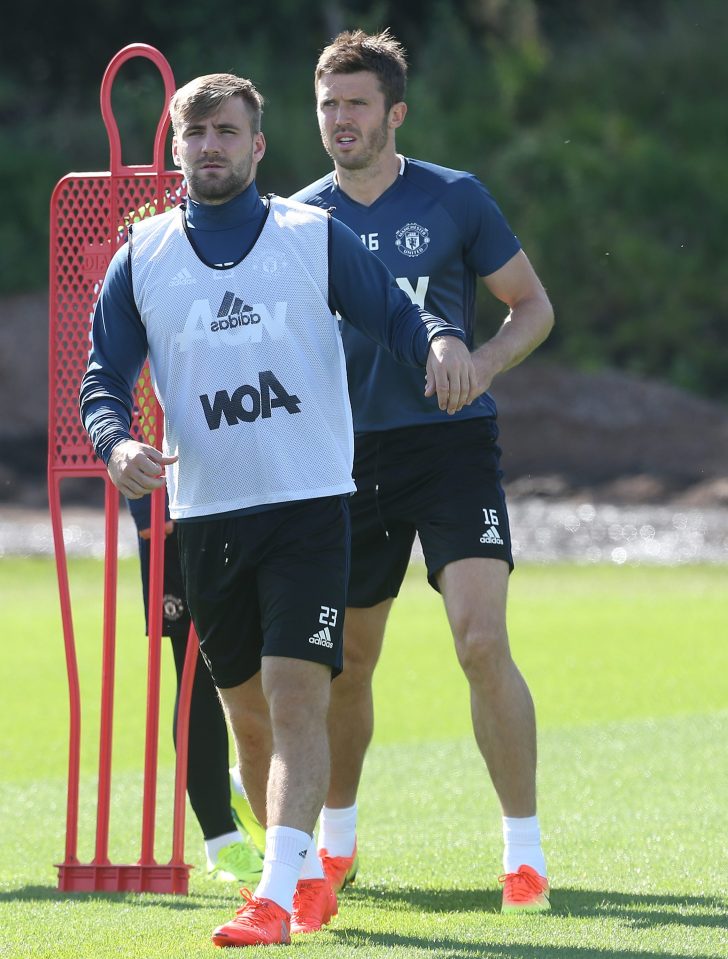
(361, 655)
(253, 737)
(483, 650)
(252, 731)
(293, 710)
(357, 673)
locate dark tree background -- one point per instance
(600, 128)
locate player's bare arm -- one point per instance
(137, 469)
(527, 325)
(450, 373)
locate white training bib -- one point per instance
(247, 364)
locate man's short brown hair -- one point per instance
(380, 53)
(204, 96)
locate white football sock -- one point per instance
(337, 830)
(522, 838)
(213, 846)
(235, 781)
(312, 868)
(285, 851)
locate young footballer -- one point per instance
(233, 297)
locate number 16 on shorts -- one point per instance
(491, 534)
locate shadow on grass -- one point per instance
(641, 909)
(449, 948)
(653, 909)
(145, 900)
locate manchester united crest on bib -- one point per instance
(412, 239)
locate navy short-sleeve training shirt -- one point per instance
(437, 230)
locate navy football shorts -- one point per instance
(441, 481)
(268, 584)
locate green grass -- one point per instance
(627, 667)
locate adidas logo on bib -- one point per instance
(183, 278)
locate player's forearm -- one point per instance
(107, 423)
(436, 326)
(379, 309)
(523, 330)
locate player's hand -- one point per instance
(137, 469)
(450, 374)
(147, 533)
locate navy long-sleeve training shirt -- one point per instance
(361, 289)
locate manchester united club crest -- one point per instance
(173, 607)
(412, 239)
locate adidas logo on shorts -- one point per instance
(322, 638)
(492, 537)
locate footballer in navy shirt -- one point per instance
(437, 230)
(441, 234)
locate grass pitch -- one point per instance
(628, 670)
